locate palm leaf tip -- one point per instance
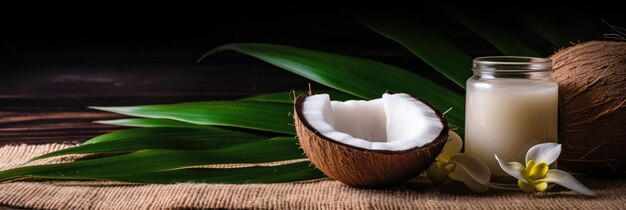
(215, 50)
(265, 116)
(114, 109)
(151, 123)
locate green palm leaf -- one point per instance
(426, 44)
(287, 97)
(265, 116)
(148, 123)
(555, 33)
(257, 174)
(159, 138)
(504, 41)
(360, 77)
(147, 161)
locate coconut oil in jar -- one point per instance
(511, 105)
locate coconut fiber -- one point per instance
(592, 107)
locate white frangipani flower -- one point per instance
(536, 175)
(460, 167)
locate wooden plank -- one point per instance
(49, 125)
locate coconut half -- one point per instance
(370, 144)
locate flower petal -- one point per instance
(530, 165)
(436, 173)
(452, 147)
(514, 169)
(544, 153)
(541, 186)
(471, 171)
(526, 187)
(566, 180)
(538, 171)
(449, 168)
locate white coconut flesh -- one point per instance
(395, 122)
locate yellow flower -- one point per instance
(536, 174)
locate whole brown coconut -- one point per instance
(363, 168)
(592, 107)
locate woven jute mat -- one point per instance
(328, 194)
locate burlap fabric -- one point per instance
(417, 194)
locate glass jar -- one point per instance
(511, 105)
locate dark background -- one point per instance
(54, 63)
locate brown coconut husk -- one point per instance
(592, 107)
(363, 168)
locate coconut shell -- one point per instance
(363, 168)
(592, 107)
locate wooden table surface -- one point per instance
(52, 106)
